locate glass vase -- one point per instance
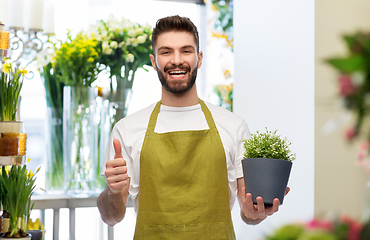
(109, 112)
(80, 138)
(104, 127)
(118, 106)
(120, 95)
(54, 150)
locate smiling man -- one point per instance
(179, 159)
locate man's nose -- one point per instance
(177, 59)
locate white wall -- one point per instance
(274, 88)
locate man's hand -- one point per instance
(255, 213)
(116, 170)
(258, 211)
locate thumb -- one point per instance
(117, 148)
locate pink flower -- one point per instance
(350, 133)
(360, 157)
(346, 85)
(354, 229)
(320, 224)
(364, 145)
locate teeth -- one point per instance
(178, 72)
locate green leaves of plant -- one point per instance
(347, 65)
(10, 87)
(17, 186)
(268, 145)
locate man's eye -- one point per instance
(165, 52)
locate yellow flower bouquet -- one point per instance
(77, 67)
(77, 60)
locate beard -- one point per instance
(177, 87)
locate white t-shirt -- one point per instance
(130, 131)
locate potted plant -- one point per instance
(11, 81)
(17, 186)
(266, 166)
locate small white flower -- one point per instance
(105, 44)
(107, 51)
(114, 45)
(134, 42)
(142, 38)
(139, 31)
(130, 57)
(104, 33)
(121, 44)
(131, 33)
(106, 48)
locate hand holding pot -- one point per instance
(258, 211)
(116, 170)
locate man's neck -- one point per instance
(190, 98)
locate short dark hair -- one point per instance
(175, 23)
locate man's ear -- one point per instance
(152, 59)
(200, 59)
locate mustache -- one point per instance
(174, 66)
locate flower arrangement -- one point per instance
(11, 82)
(343, 228)
(76, 60)
(268, 145)
(354, 87)
(17, 186)
(124, 47)
(225, 95)
(120, 46)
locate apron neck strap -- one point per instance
(207, 114)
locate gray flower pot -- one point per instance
(267, 178)
(36, 234)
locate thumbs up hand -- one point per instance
(116, 170)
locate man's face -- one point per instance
(176, 61)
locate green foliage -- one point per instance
(11, 82)
(287, 232)
(347, 65)
(353, 69)
(17, 187)
(225, 95)
(226, 16)
(268, 145)
(342, 228)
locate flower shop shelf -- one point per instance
(56, 202)
(12, 160)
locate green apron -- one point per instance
(183, 192)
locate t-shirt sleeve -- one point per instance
(243, 133)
